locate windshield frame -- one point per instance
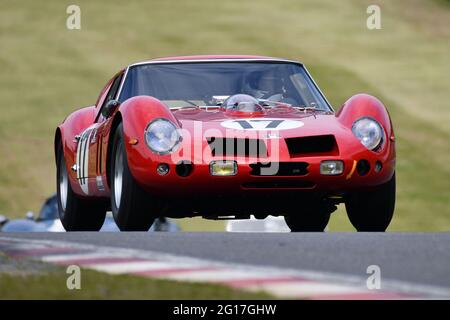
(203, 61)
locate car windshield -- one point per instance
(211, 83)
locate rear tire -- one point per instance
(309, 219)
(372, 210)
(133, 208)
(75, 213)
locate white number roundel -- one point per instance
(262, 124)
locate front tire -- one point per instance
(133, 208)
(309, 219)
(75, 213)
(372, 210)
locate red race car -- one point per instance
(224, 137)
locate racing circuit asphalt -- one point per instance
(415, 258)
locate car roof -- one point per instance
(211, 58)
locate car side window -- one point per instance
(111, 95)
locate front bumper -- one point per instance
(201, 181)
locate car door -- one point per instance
(98, 143)
(90, 145)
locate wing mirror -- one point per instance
(109, 108)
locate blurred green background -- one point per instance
(47, 71)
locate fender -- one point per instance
(73, 125)
(136, 114)
(364, 105)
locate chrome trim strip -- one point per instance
(214, 60)
(121, 84)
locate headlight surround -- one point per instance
(162, 136)
(369, 132)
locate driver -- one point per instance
(258, 85)
(266, 86)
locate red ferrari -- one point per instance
(224, 137)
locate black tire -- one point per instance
(75, 213)
(310, 219)
(372, 210)
(133, 209)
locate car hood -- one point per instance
(286, 123)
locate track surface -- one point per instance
(415, 258)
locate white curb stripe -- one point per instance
(120, 268)
(217, 276)
(74, 256)
(306, 289)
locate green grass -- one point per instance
(97, 285)
(48, 71)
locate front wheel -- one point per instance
(308, 219)
(75, 213)
(133, 209)
(372, 210)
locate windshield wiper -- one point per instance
(191, 103)
(312, 108)
(304, 108)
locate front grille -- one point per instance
(279, 169)
(279, 185)
(236, 147)
(312, 146)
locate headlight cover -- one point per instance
(162, 136)
(369, 132)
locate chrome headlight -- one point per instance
(369, 132)
(162, 136)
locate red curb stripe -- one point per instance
(243, 283)
(94, 261)
(168, 271)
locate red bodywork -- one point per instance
(136, 113)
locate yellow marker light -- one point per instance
(351, 171)
(133, 141)
(223, 168)
(331, 167)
